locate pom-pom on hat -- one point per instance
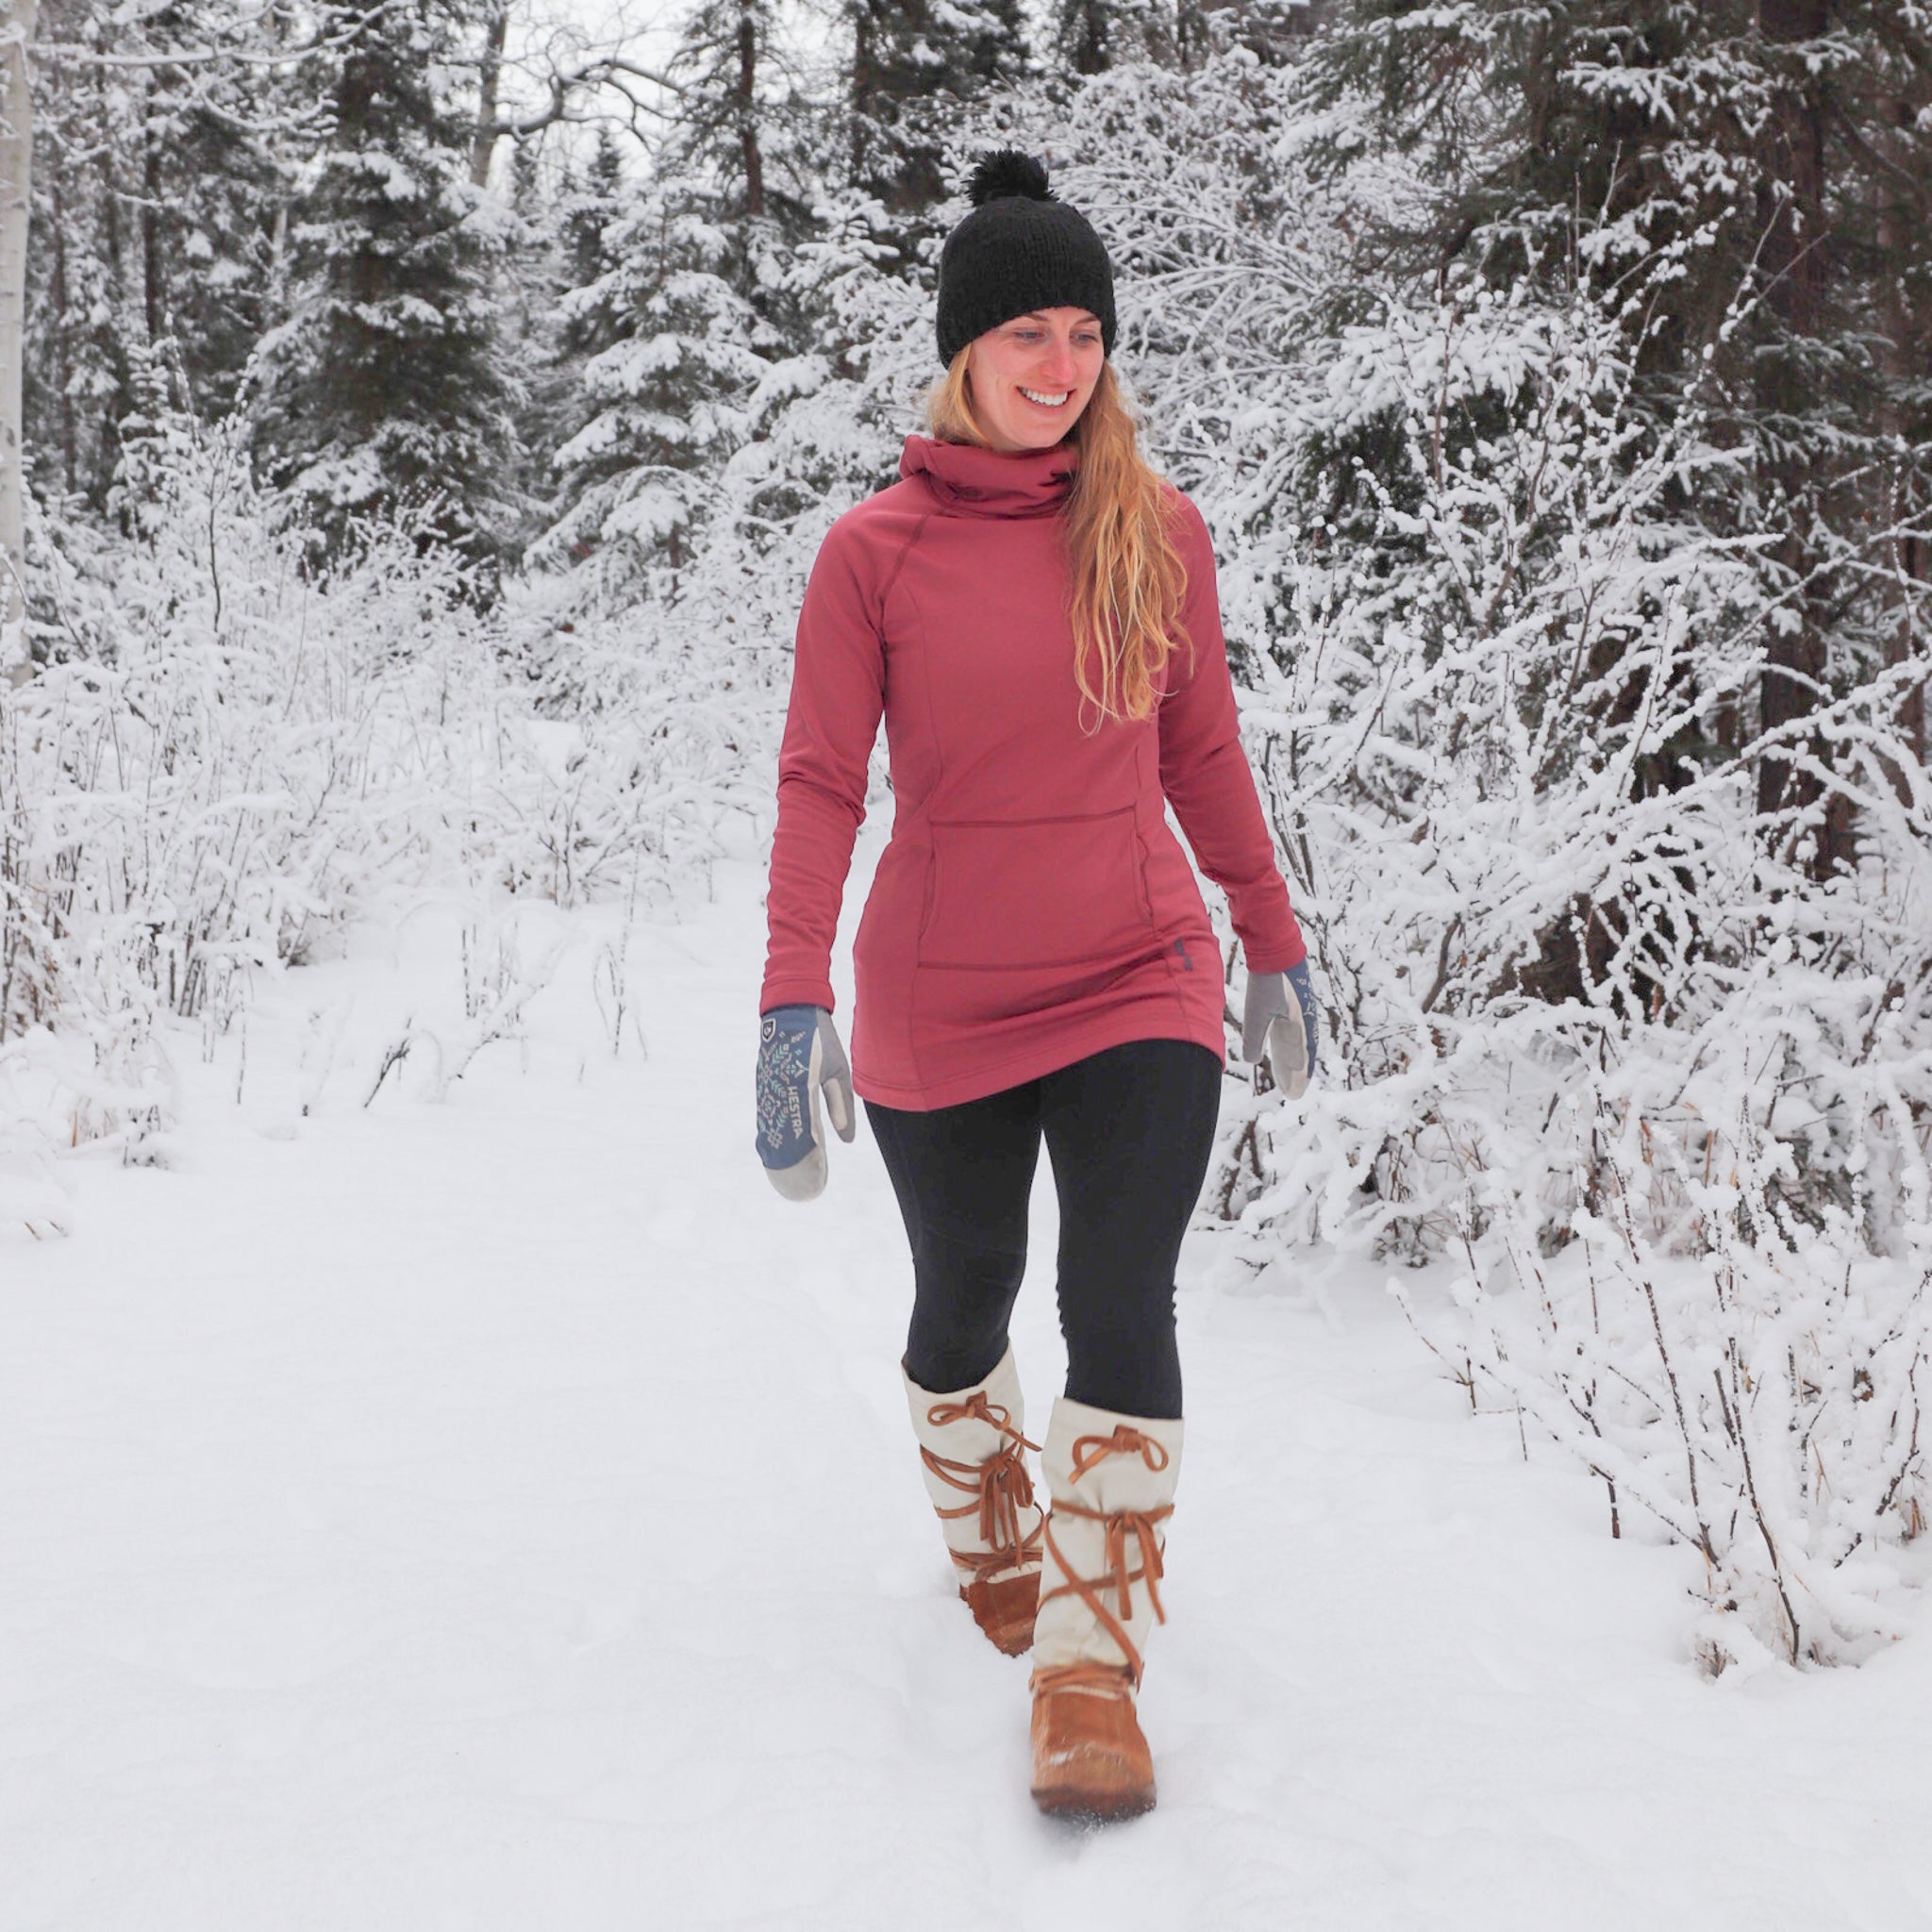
(1021, 248)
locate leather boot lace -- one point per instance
(1130, 1554)
(1000, 1488)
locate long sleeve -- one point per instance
(838, 694)
(1205, 774)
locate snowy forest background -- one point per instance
(427, 415)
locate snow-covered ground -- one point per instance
(500, 1512)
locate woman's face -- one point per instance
(1033, 376)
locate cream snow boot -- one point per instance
(971, 1454)
(1111, 1479)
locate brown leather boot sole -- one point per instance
(1090, 1759)
(1004, 1609)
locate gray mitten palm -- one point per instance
(1278, 1037)
(800, 1058)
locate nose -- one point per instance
(1060, 370)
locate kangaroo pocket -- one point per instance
(1031, 893)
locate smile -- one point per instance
(1045, 401)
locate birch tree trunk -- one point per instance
(490, 80)
(17, 19)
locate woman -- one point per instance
(1033, 613)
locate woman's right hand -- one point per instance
(800, 1057)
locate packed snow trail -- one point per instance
(501, 1512)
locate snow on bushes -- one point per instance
(1608, 1042)
(228, 760)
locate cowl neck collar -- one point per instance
(989, 483)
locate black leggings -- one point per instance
(1129, 1132)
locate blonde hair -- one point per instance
(1125, 577)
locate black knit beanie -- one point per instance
(1019, 250)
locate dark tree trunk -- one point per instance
(864, 84)
(748, 115)
(153, 282)
(119, 403)
(1795, 259)
(1084, 36)
(1901, 216)
(64, 367)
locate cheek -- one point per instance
(993, 372)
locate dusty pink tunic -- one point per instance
(1033, 906)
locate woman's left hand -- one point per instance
(1278, 1036)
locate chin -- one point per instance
(1032, 435)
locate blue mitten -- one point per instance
(1278, 1037)
(800, 1058)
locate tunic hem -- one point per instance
(1093, 1036)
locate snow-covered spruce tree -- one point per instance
(678, 354)
(1647, 1082)
(907, 60)
(705, 691)
(84, 306)
(384, 386)
(562, 205)
(745, 124)
(768, 244)
(1090, 36)
(212, 189)
(73, 374)
(155, 210)
(682, 304)
(589, 201)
